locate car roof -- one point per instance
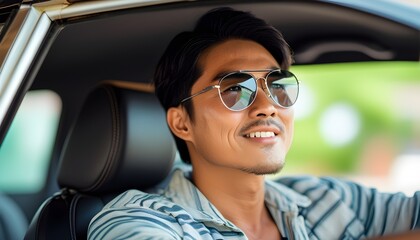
(393, 10)
(305, 24)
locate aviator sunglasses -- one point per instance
(238, 89)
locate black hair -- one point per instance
(178, 68)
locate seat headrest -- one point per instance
(120, 141)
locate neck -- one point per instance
(238, 195)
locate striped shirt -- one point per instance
(302, 208)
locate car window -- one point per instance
(359, 120)
(26, 149)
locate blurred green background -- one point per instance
(354, 116)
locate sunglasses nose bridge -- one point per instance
(263, 85)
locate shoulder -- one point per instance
(138, 213)
(305, 184)
(133, 198)
(143, 204)
(316, 188)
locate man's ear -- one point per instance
(179, 122)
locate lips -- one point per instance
(267, 128)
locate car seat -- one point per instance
(119, 141)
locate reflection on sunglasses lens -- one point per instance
(237, 90)
(283, 87)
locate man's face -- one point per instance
(221, 137)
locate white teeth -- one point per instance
(261, 134)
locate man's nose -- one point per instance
(263, 104)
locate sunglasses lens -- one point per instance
(237, 90)
(284, 87)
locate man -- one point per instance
(229, 100)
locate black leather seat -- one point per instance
(119, 141)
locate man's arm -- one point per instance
(381, 213)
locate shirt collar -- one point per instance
(283, 198)
(183, 192)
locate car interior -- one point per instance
(112, 133)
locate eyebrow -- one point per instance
(225, 72)
(222, 74)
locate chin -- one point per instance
(265, 169)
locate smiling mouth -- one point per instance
(260, 135)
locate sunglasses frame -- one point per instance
(266, 90)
